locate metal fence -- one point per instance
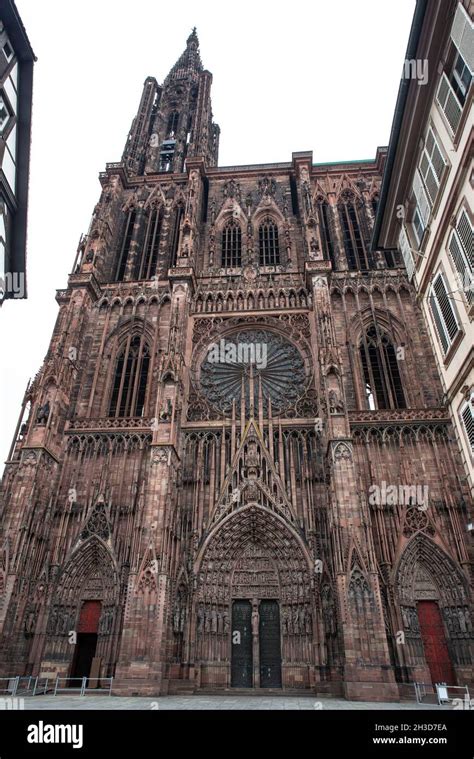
(440, 693)
(40, 686)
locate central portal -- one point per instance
(254, 613)
(256, 645)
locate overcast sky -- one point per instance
(301, 75)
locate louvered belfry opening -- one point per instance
(145, 267)
(383, 384)
(125, 246)
(356, 248)
(176, 229)
(326, 231)
(130, 379)
(173, 121)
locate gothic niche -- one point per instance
(248, 363)
(179, 622)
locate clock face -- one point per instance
(271, 361)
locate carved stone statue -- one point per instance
(166, 411)
(252, 458)
(42, 415)
(200, 616)
(336, 406)
(225, 617)
(255, 621)
(213, 620)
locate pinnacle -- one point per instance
(193, 37)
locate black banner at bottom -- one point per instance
(113, 732)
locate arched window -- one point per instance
(125, 246)
(268, 241)
(357, 254)
(173, 121)
(231, 246)
(382, 381)
(145, 266)
(130, 379)
(325, 226)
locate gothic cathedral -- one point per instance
(234, 469)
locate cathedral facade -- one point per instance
(234, 469)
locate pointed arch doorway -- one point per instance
(433, 595)
(87, 637)
(254, 609)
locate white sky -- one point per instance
(301, 75)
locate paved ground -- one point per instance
(213, 702)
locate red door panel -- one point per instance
(434, 643)
(89, 617)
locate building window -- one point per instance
(382, 381)
(405, 250)
(145, 267)
(461, 78)
(231, 246)
(444, 315)
(461, 249)
(456, 80)
(422, 208)
(431, 166)
(7, 49)
(4, 114)
(130, 379)
(269, 246)
(467, 418)
(356, 253)
(418, 226)
(125, 248)
(324, 214)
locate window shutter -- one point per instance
(460, 247)
(404, 247)
(449, 103)
(467, 416)
(443, 313)
(421, 198)
(432, 165)
(465, 231)
(462, 34)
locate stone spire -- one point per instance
(189, 63)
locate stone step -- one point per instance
(249, 692)
(180, 688)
